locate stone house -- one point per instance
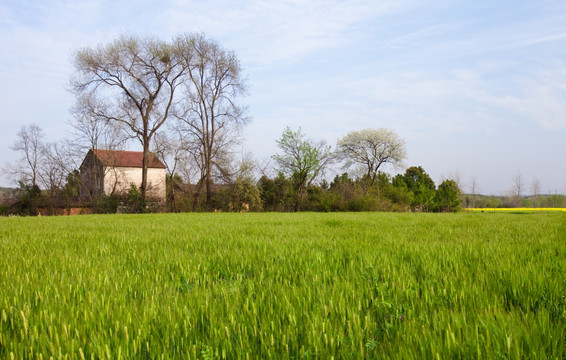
(111, 172)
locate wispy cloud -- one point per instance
(540, 40)
(283, 31)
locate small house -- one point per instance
(112, 172)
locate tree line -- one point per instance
(181, 100)
(297, 182)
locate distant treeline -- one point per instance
(412, 191)
(513, 201)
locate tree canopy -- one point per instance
(133, 81)
(422, 187)
(302, 159)
(371, 148)
(209, 114)
(447, 196)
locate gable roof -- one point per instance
(120, 158)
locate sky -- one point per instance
(476, 88)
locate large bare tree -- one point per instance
(211, 116)
(131, 81)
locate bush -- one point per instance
(3, 210)
(136, 202)
(106, 205)
(241, 196)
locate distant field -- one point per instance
(516, 209)
(302, 286)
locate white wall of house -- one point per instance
(118, 180)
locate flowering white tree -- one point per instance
(370, 149)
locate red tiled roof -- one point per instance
(120, 158)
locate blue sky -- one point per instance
(476, 88)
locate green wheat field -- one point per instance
(284, 286)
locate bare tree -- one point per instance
(27, 171)
(90, 131)
(516, 192)
(370, 149)
(456, 176)
(535, 190)
(473, 189)
(131, 81)
(30, 144)
(518, 183)
(53, 174)
(172, 152)
(210, 116)
(53, 171)
(247, 167)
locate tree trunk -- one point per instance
(145, 163)
(208, 186)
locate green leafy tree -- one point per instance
(72, 185)
(70, 191)
(344, 191)
(315, 199)
(422, 187)
(275, 193)
(400, 195)
(172, 182)
(30, 197)
(302, 159)
(447, 196)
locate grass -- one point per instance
(302, 286)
